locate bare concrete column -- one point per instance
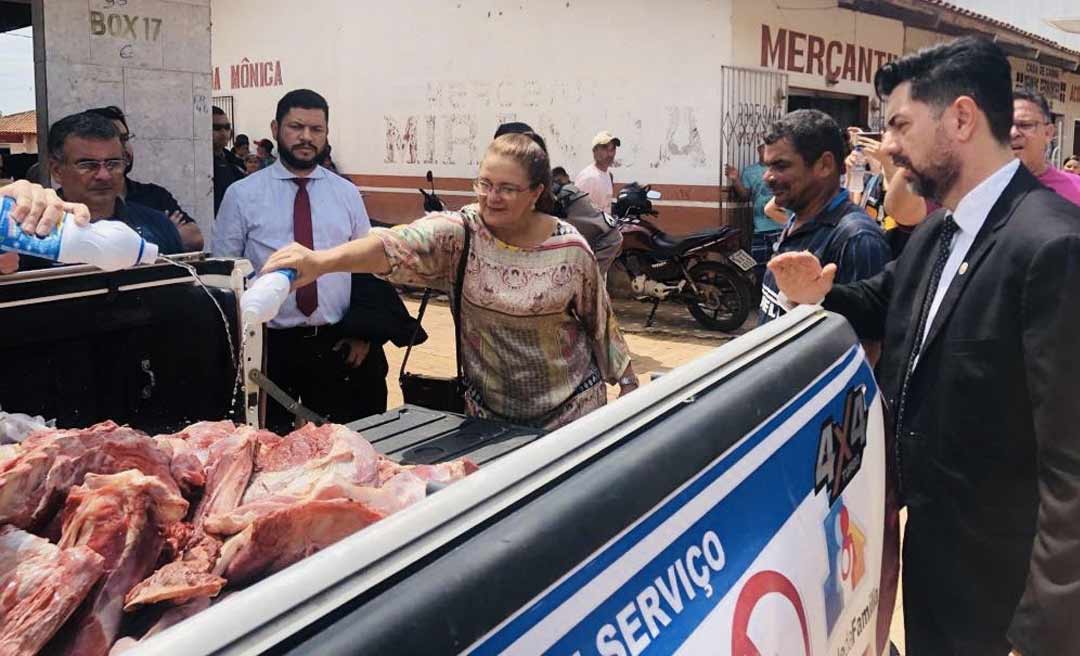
(151, 58)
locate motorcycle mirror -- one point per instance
(653, 195)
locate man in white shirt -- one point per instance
(595, 179)
(296, 199)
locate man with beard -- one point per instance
(149, 194)
(803, 158)
(979, 364)
(1030, 138)
(296, 199)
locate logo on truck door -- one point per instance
(840, 446)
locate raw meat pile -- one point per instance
(106, 531)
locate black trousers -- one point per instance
(948, 613)
(302, 362)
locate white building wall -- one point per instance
(416, 85)
(458, 69)
(152, 59)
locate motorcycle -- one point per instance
(432, 203)
(706, 270)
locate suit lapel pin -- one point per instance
(963, 268)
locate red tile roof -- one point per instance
(21, 123)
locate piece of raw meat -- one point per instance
(275, 541)
(123, 518)
(230, 463)
(8, 451)
(40, 586)
(296, 530)
(191, 577)
(292, 465)
(314, 462)
(170, 617)
(444, 472)
(190, 450)
(34, 482)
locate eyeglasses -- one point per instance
(222, 126)
(485, 188)
(1029, 126)
(91, 166)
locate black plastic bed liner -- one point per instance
(414, 435)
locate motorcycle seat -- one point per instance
(670, 245)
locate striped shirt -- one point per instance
(842, 234)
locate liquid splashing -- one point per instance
(238, 382)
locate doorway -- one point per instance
(846, 110)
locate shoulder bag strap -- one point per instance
(416, 331)
(455, 312)
(459, 284)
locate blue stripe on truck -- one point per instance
(736, 530)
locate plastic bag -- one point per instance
(15, 426)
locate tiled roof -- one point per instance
(998, 23)
(21, 123)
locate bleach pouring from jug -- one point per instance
(262, 301)
(108, 245)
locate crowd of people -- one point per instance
(539, 335)
(951, 258)
(978, 361)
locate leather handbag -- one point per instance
(439, 392)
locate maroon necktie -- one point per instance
(307, 297)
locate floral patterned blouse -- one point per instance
(538, 333)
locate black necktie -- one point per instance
(948, 230)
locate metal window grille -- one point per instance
(750, 100)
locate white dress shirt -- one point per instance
(970, 215)
(256, 218)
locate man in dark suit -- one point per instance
(980, 368)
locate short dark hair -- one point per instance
(241, 140)
(513, 127)
(969, 66)
(558, 170)
(304, 99)
(87, 125)
(1036, 99)
(813, 133)
(217, 111)
(112, 112)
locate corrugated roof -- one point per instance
(21, 123)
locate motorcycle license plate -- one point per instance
(742, 259)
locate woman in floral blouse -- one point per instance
(539, 338)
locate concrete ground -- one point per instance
(674, 339)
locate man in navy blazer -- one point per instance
(980, 368)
